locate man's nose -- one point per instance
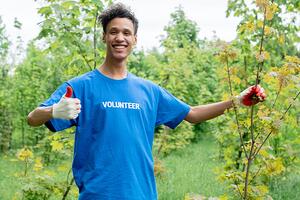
(120, 37)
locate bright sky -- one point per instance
(152, 15)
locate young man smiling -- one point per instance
(115, 114)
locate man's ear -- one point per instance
(135, 40)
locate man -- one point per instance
(115, 114)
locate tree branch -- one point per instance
(95, 40)
(252, 152)
(257, 151)
(235, 110)
(260, 49)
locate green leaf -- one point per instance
(45, 11)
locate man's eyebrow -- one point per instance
(116, 28)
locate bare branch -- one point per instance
(235, 111)
(95, 40)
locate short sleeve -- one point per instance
(171, 111)
(55, 125)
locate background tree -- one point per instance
(259, 56)
(5, 93)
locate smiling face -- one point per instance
(119, 38)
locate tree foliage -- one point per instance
(5, 94)
(260, 55)
(262, 147)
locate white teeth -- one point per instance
(119, 47)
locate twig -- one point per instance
(82, 54)
(277, 95)
(235, 110)
(68, 189)
(245, 68)
(238, 189)
(260, 49)
(252, 152)
(255, 175)
(254, 155)
(95, 39)
(69, 185)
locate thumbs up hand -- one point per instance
(67, 107)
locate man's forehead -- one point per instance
(120, 23)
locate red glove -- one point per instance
(252, 95)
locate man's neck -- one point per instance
(114, 70)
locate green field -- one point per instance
(187, 171)
(190, 170)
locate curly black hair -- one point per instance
(118, 10)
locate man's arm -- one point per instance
(39, 116)
(251, 96)
(201, 113)
(67, 108)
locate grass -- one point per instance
(11, 169)
(187, 171)
(190, 170)
(8, 183)
(286, 188)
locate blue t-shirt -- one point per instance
(114, 134)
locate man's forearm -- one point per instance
(201, 113)
(39, 116)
